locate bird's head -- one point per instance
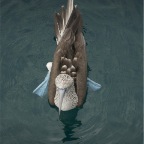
(64, 92)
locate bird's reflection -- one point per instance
(68, 118)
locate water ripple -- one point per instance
(112, 115)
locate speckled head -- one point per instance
(66, 97)
(63, 81)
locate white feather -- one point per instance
(65, 20)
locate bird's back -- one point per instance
(70, 55)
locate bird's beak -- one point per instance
(62, 93)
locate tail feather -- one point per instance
(69, 9)
(62, 19)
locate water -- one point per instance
(112, 115)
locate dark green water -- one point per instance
(112, 115)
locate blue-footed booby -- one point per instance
(66, 81)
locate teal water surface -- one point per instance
(112, 115)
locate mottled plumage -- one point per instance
(70, 55)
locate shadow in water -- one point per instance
(68, 118)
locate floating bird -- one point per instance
(66, 81)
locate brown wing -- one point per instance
(81, 63)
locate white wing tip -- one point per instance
(49, 66)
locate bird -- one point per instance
(67, 81)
